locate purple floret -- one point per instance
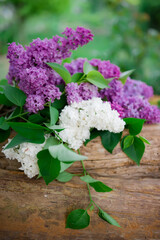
(49, 92)
(118, 108)
(113, 93)
(139, 107)
(76, 38)
(34, 103)
(88, 91)
(137, 88)
(32, 79)
(108, 69)
(72, 92)
(77, 93)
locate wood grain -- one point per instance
(31, 210)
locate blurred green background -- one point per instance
(127, 32)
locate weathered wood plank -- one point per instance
(31, 210)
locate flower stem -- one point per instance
(19, 115)
(60, 139)
(89, 193)
(84, 170)
(85, 173)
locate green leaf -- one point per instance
(91, 208)
(64, 177)
(59, 104)
(30, 131)
(87, 67)
(108, 80)
(94, 133)
(4, 100)
(110, 140)
(51, 142)
(61, 87)
(39, 175)
(134, 124)
(36, 118)
(144, 139)
(134, 151)
(58, 128)
(65, 166)
(97, 79)
(123, 77)
(54, 114)
(54, 141)
(15, 95)
(4, 134)
(78, 219)
(128, 141)
(45, 113)
(64, 154)
(49, 166)
(17, 140)
(106, 217)
(77, 76)
(3, 124)
(16, 112)
(97, 185)
(100, 187)
(4, 82)
(66, 60)
(62, 71)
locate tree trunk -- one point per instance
(31, 210)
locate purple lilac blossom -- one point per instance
(49, 92)
(72, 92)
(118, 108)
(108, 70)
(137, 88)
(77, 93)
(134, 105)
(34, 103)
(29, 70)
(138, 107)
(113, 93)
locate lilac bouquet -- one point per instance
(55, 105)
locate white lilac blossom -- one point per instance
(26, 154)
(78, 118)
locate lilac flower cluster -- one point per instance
(29, 70)
(118, 108)
(139, 107)
(137, 88)
(77, 93)
(130, 100)
(133, 99)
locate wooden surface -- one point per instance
(31, 210)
